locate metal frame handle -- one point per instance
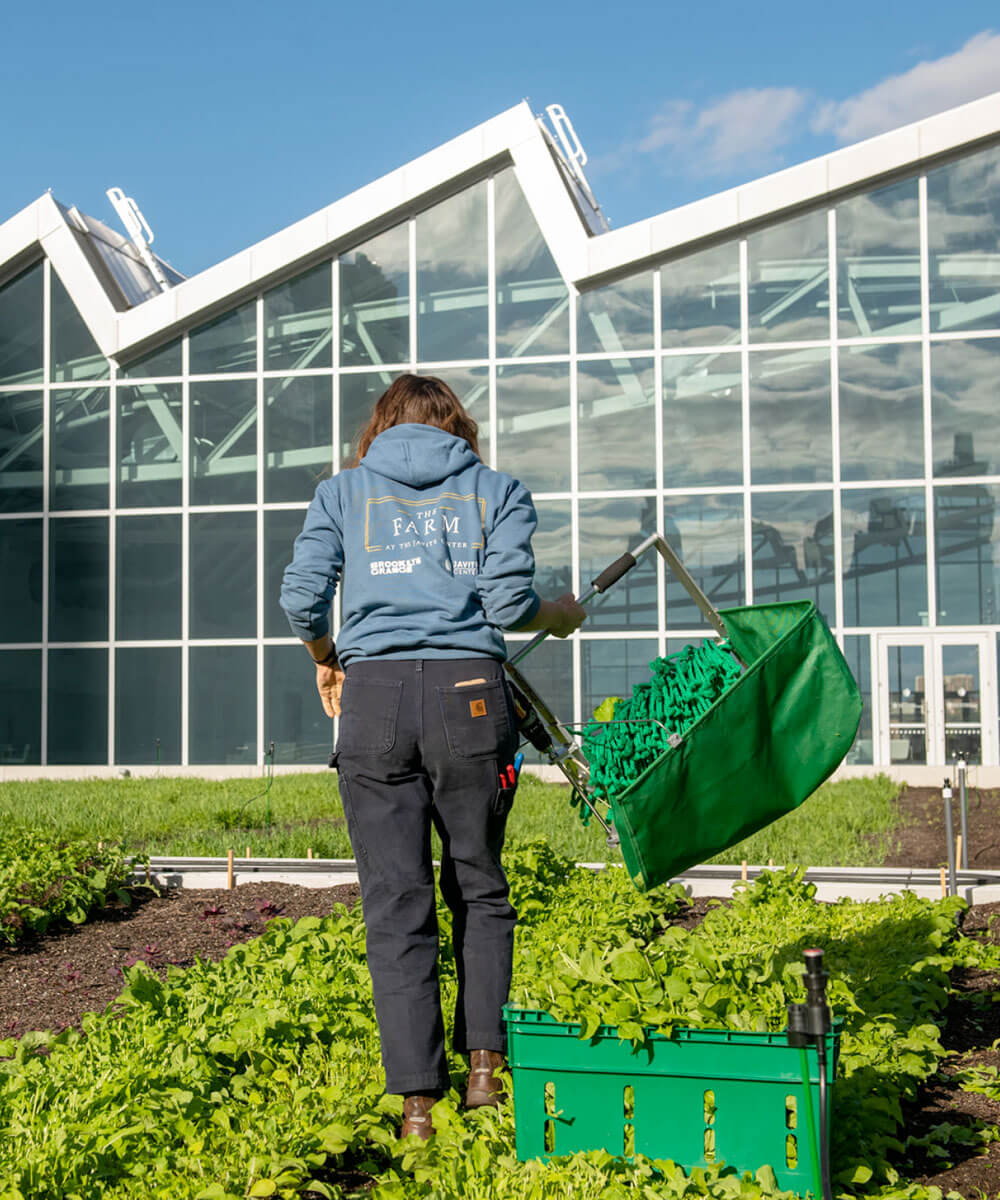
(621, 567)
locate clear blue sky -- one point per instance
(229, 120)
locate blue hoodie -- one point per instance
(432, 551)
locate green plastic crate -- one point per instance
(699, 1097)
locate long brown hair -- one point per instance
(420, 399)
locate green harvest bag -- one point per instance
(765, 745)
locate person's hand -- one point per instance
(329, 684)
(567, 616)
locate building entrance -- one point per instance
(935, 697)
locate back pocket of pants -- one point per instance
(369, 709)
(476, 718)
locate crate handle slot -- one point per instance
(628, 1098)
(709, 1102)
(550, 1137)
(710, 1145)
(791, 1151)
(791, 1112)
(629, 1140)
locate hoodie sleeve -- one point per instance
(505, 581)
(311, 577)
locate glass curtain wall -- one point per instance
(804, 413)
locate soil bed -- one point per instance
(49, 982)
(971, 1025)
(920, 836)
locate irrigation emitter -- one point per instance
(723, 739)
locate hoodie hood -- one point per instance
(418, 455)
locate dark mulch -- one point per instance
(971, 1025)
(920, 837)
(49, 982)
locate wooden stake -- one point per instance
(100, 847)
(944, 882)
(248, 851)
(958, 851)
(309, 852)
(229, 872)
(770, 862)
(743, 871)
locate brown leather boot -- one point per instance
(484, 1086)
(417, 1117)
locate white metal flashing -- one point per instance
(513, 136)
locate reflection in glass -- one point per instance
(965, 540)
(79, 453)
(857, 651)
(452, 294)
(885, 556)
(148, 578)
(21, 572)
(148, 705)
(963, 231)
(74, 352)
(963, 718)
(20, 708)
(375, 300)
(549, 670)
(297, 725)
(223, 575)
(606, 527)
(22, 451)
(791, 436)
(792, 545)
(21, 328)
(229, 343)
(533, 410)
(222, 717)
(702, 420)
(78, 706)
(707, 534)
(963, 405)
(616, 317)
(613, 668)
(298, 322)
(150, 445)
(281, 527)
(224, 442)
(700, 298)
(907, 705)
(358, 393)
(163, 361)
(878, 261)
(472, 386)
(298, 435)
(78, 579)
(789, 282)
(881, 412)
(617, 424)
(532, 300)
(553, 548)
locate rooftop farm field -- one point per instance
(849, 823)
(258, 1074)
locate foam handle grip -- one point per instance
(621, 566)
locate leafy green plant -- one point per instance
(43, 880)
(259, 1075)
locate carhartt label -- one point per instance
(477, 708)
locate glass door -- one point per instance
(936, 698)
(904, 733)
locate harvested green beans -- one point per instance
(625, 739)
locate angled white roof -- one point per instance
(512, 137)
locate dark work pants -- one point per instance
(413, 749)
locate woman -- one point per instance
(432, 551)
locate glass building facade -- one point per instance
(806, 411)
